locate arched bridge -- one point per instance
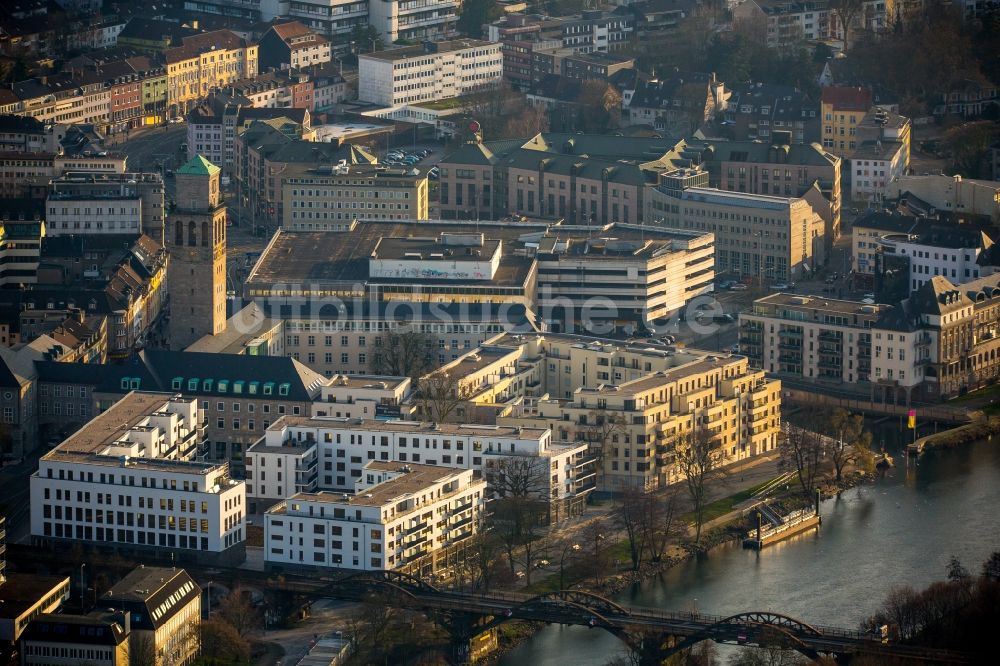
(652, 633)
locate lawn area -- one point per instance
(983, 394)
(444, 104)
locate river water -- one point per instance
(901, 530)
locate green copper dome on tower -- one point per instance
(198, 166)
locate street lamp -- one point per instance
(83, 587)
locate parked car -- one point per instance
(870, 295)
(739, 286)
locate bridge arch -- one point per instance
(766, 618)
(595, 602)
(358, 584)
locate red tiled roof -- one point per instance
(201, 43)
(290, 29)
(846, 98)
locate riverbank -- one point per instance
(972, 432)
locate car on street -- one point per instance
(739, 286)
(870, 295)
(779, 286)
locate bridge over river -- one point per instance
(652, 633)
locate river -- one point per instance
(901, 530)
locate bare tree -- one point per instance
(404, 353)
(853, 442)
(664, 523)
(520, 485)
(141, 651)
(846, 11)
(221, 643)
(697, 460)
(518, 476)
(566, 552)
(632, 515)
(594, 542)
(802, 452)
(481, 560)
(440, 397)
(239, 611)
(603, 427)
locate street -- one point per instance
(150, 149)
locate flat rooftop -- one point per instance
(414, 478)
(21, 591)
(422, 428)
(107, 428)
(433, 249)
(740, 199)
(421, 50)
(368, 381)
(802, 302)
(297, 257)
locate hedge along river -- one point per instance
(899, 530)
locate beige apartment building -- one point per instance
(633, 405)
(942, 341)
(329, 198)
(759, 236)
(812, 338)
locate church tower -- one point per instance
(196, 238)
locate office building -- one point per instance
(756, 235)
(89, 203)
(127, 480)
(163, 606)
(331, 197)
(636, 280)
(431, 71)
(97, 639)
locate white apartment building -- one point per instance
(874, 165)
(401, 516)
(928, 247)
(303, 454)
(128, 479)
(756, 235)
(71, 214)
(958, 264)
(432, 71)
